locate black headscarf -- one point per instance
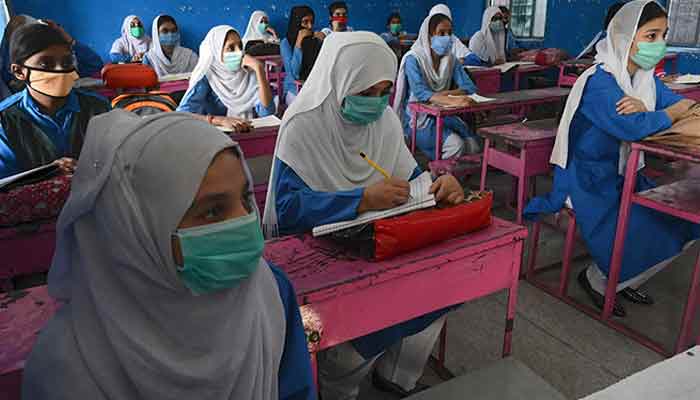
(33, 38)
(295, 17)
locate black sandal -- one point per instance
(597, 298)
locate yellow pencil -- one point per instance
(374, 165)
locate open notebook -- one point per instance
(420, 199)
(271, 121)
(29, 177)
(688, 79)
(175, 77)
(476, 97)
(510, 65)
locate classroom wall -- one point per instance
(97, 23)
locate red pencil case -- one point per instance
(387, 238)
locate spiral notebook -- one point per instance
(420, 199)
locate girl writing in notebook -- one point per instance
(227, 87)
(489, 43)
(617, 100)
(431, 73)
(47, 120)
(165, 292)
(133, 43)
(319, 177)
(166, 56)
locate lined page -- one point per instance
(420, 198)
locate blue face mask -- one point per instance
(497, 26)
(363, 110)
(169, 39)
(221, 255)
(441, 45)
(233, 60)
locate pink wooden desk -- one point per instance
(26, 250)
(523, 70)
(568, 80)
(531, 145)
(167, 87)
(487, 80)
(274, 66)
(259, 143)
(341, 297)
(680, 199)
(689, 91)
(518, 98)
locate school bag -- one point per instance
(144, 104)
(260, 48)
(310, 48)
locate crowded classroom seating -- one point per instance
(342, 200)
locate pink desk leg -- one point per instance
(522, 186)
(516, 80)
(314, 368)
(438, 137)
(485, 163)
(414, 135)
(620, 234)
(512, 301)
(690, 309)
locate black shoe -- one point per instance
(390, 387)
(637, 296)
(597, 298)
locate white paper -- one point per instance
(510, 65)
(420, 199)
(479, 98)
(88, 82)
(271, 121)
(185, 76)
(688, 79)
(14, 178)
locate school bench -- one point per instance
(519, 99)
(506, 379)
(341, 296)
(528, 147)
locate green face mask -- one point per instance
(364, 110)
(219, 256)
(137, 31)
(262, 27)
(395, 28)
(649, 54)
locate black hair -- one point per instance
(295, 16)
(651, 12)
(435, 20)
(504, 9)
(612, 10)
(336, 5)
(33, 38)
(166, 18)
(392, 16)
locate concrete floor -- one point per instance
(574, 353)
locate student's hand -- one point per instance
(272, 32)
(66, 165)
(319, 35)
(384, 195)
(670, 78)
(137, 57)
(236, 125)
(303, 34)
(630, 105)
(447, 190)
(253, 63)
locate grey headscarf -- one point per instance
(131, 329)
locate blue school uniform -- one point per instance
(295, 377)
(119, 58)
(592, 180)
(44, 138)
(291, 56)
(474, 60)
(391, 39)
(202, 100)
(417, 86)
(299, 209)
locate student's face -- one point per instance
(222, 195)
(167, 27)
(382, 88)
(135, 23)
(307, 22)
(54, 58)
(339, 12)
(232, 43)
(444, 28)
(653, 31)
(395, 20)
(497, 17)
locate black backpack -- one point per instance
(310, 48)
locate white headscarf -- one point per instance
(316, 141)
(458, 48)
(182, 60)
(438, 81)
(485, 44)
(613, 53)
(252, 32)
(128, 44)
(237, 90)
(131, 321)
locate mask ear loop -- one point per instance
(29, 83)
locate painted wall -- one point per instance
(97, 23)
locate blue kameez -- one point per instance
(299, 209)
(202, 100)
(418, 87)
(295, 377)
(592, 181)
(291, 56)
